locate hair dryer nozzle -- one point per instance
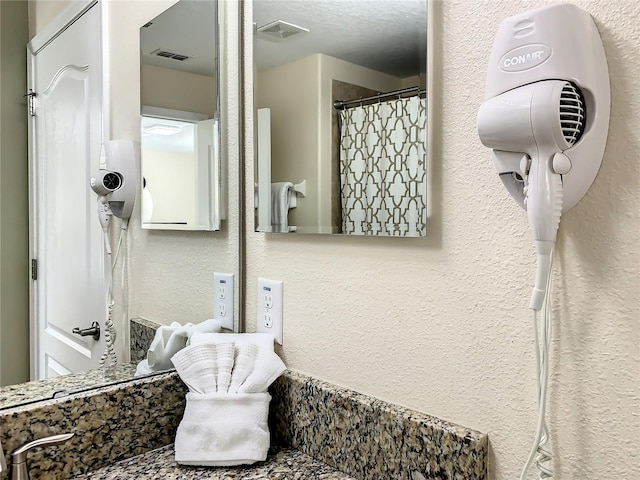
(105, 182)
(549, 113)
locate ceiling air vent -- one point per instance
(163, 52)
(280, 30)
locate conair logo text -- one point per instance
(524, 58)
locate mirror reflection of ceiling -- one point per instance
(165, 36)
(385, 35)
(346, 29)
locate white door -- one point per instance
(66, 239)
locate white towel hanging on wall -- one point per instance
(282, 194)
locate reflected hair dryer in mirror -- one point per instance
(106, 182)
(116, 183)
(546, 117)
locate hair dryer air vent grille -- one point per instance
(572, 113)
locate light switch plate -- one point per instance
(223, 299)
(270, 302)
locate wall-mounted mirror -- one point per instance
(183, 172)
(224, 243)
(340, 115)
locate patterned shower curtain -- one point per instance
(383, 168)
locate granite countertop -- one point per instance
(324, 428)
(35, 391)
(283, 463)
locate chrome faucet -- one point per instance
(19, 470)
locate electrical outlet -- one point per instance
(223, 299)
(270, 301)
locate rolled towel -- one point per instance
(221, 429)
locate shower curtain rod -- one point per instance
(340, 104)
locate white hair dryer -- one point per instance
(116, 184)
(546, 117)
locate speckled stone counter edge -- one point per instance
(36, 391)
(371, 439)
(141, 333)
(283, 463)
(110, 424)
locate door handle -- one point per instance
(93, 331)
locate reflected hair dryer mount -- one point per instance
(116, 184)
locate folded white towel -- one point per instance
(243, 364)
(143, 368)
(155, 354)
(282, 194)
(268, 367)
(224, 364)
(221, 429)
(168, 340)
(197, 367)
(228, 427)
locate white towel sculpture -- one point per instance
(225, 418)
(168, 340)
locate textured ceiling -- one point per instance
(188, 28)
(385, 35)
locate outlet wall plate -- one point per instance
(223, 299)
(270, 303)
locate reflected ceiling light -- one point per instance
(159, 129)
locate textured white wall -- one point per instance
(442, 324)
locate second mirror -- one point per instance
(183, 172)
(340, 111)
